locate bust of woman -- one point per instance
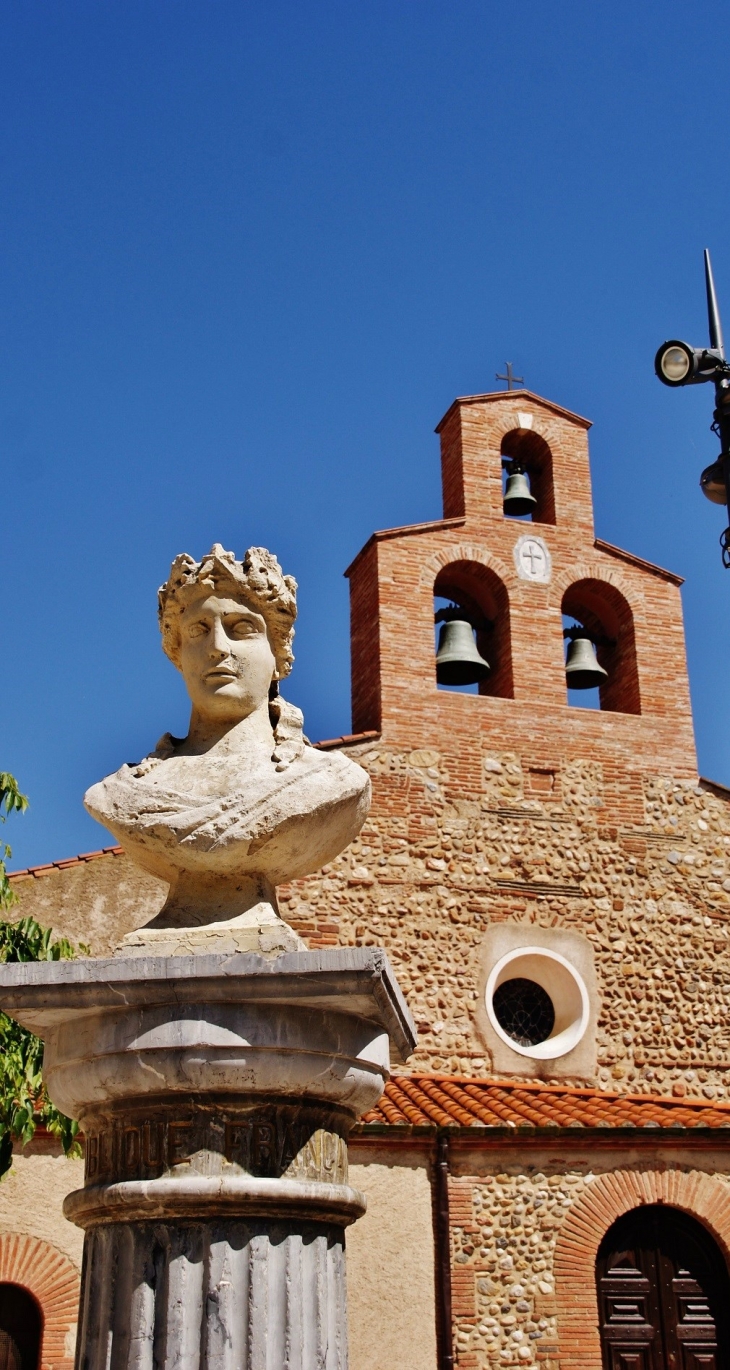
(243, 802)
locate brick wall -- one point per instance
(54, 1283)
(526, 1229)
(440, 860)
(513, 805)
(392, 586)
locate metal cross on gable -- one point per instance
(512, 380)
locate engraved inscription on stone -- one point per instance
(532, 559)
(272, 1144)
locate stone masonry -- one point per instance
(512, 806)
(430, 872)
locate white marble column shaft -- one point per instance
(257, 1295)
(216, 1093)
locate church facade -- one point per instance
(548, 1178)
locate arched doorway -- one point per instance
(663, 1294)
(20, 1329)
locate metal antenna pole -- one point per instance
(722, 397)
(677, 363)
(713, 313)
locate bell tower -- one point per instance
(518, 581)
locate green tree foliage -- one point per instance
(24, 1103)
(11, 801)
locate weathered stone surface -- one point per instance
(243, 802)
(92, 900)
(262, 1140)
(216, 1094)
(204, 1198)
(357, 981)
(251, 1295)
(439, 863)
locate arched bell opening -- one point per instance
(482, 596)
(609, 641)
(527, 465)
(663, 1292)
(21, 1328)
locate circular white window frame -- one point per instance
(561, 982)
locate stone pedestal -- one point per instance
(216, 1094)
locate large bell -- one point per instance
(582, 671)
(457, 660)
(517, 497)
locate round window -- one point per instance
(525, 1011)
(537, 1003)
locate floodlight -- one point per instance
(675, 362)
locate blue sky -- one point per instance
(250, 252)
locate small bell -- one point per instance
(582, 671)
(457, 660)
(517, 497)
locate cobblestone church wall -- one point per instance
(432, 870)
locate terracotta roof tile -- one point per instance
(345, 741)
(39, 871)
(450, 1101)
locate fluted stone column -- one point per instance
(216, 1095)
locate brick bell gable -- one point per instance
(645, 723)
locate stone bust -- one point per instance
(243, 802)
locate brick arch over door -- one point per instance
(54, 1282)
(703, 1196)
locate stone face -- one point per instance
(243, 802)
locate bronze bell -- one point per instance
(517, 497)
(457, 660)
(582, 671)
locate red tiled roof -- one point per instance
(345, 741)
(429, 1101)
(39, 871)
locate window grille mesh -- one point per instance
(524, 1010)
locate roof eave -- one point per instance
(495, 396)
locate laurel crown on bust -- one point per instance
(258, 579)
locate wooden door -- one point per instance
(10, 1358)
(663, 1294)
(21, 1329)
